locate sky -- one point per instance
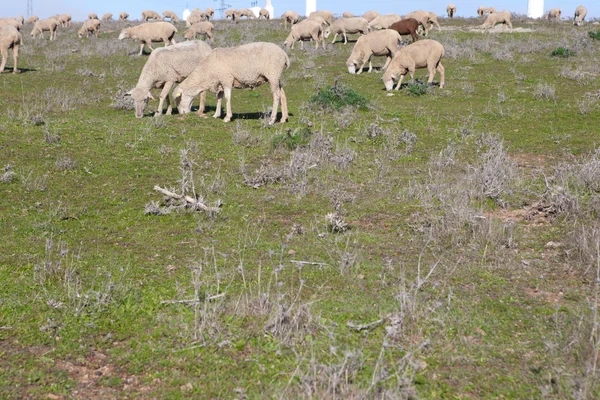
(79, 9)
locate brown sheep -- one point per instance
(407, 26)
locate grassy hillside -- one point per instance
(431, 243)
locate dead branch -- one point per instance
(364, 327)
(189, 200)
(193, 301)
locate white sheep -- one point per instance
(482, 11)
(305, 30)
(245, 66)
(580, 13)
(264, 13)
(502, 17)
(205, 28)
(32, 20)
(90, 25)
(246, 12)
(451, 10)
(12, 22)
(347, 25)
(554, 14)
(195, 17)
(325, 14)
(370, 15)
(232, 13)
(123, 16)
(150, 32)
(107, 17)
(425, 18)
(150, 14)
(92, 16)
(290, 16)
(383, 21)
(425, 53)
(171, 15)
(165, 67)
(378, 43)
(10, 38)
(347, 15)
(41, 26)
(64, 20)
(210, 13)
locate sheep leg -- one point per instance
(442, 71)
(431, 70)
(399, 82)
(510, 24)
(164, 94)
(345, 37)
(334, 37)
(284, 109)
(275, 89)
(4, 52)
(141, 49)
(387, 62)
(219, 100)
(316, 39)
(229, 114)
(202, 103)
(15, 57)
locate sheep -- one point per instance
(422, 54)
(200, 28)
(554, 14)
(32, 20)
(64, 20)
(107, 17)
(12, 22)
(245, 66)
(41, 26)
(347, 15)
(482, 11)
(90, 25)
(426, 19)
(210, 13)
(165, 67)
(305, 30)
(21, 19)
(347, 25)
(150, 32)
(195, 17)
(233, 14)
(290, 16)
(171, 15)
(92, 16)
(10, 38)
(378, 43)
(580, 13)
(383, 21)
(149, 14)
(502, 17)
(407, 26)
(246, 12)
(263, 13)
(370, 15)
(451, 10)
(123, 16)
(326, 15)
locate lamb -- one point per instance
(580, 13)
(347, 25)
(32, 20)
(290, 16)
(10, 38)
(150, 32)
(379, 43)
(451, 10)
(149, 14)
(210, 13)
(123, 16)
(107, 17)
(482, 11)
(245, 66)
(91, 25)
(407, 26)
(195, 17)
(263, 13)
(326, 15)
(426, 19)
(554, 14)
(502, 17)
(383, 21)
(201, 28)
(171, 15)
(92, 16)
(422, 54)
(305, 30)
(165, 67)
(347, 15)
(370, 15)
(246, 12)
(40, 27)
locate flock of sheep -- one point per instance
(197, 68)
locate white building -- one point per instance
(535, 8)
(311, 6)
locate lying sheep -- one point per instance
(554, 14)
(195, 17)
(40, 27)
(407, 26)
(451, 10)
(378, 43)
(92, 16)
(91, 25)
(325, 14)
(290, 16)
(502, 17)
(171, 15)
(150, 32)
(32, 20)
(383, 21)
(347, 25)
(210, 13)
(264, 13)
(107, 17)
(422, 54)
(165, 67)
(482, 11)
(245, 66)
(123, 16)
(149, 14)
(580, 13)
(370, 15)
(305, 30)
(10, 38)
(201, 28)
(246, 12)
(426, 18)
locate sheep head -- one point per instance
(125, 34)
(140, 100)
(183, 101)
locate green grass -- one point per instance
(447, 251)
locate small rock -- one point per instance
(553, 245)
(292, 252)
(188, 387)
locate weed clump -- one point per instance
(338, 96)
(418, 88)
(562, 52)
(594, 35)
(292, 139)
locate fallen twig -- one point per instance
(193, 301)
(364, 327)
(190, 200)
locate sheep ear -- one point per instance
(150, 96)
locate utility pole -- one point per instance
(223, 8)
(29, 8)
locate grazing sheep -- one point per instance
(149, 14)
(10, 38)
(40, 27)
(305, 30)
(264, 13)
(347, 15)
(32, 20)
(12, 22)
(482, 11)
(502, 17)
(107, 17)
(210, 13)
(378, 43)
(326, 15)
(165, 67)
(171, 15)
(290, 16)
(92, 16)
(21, 19)
(383, 21)
(123, 16)
(554, 14)
(580, 13)
(205, 28)
(64, 20)
(245, 66)
(90, 25)
(150, 32)
(451, 10)
(422, 54)
(407, 26)
(426, 18)
(195, 17)
(370, 15)
(246, 12)
(233, 14)
(347, 25)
